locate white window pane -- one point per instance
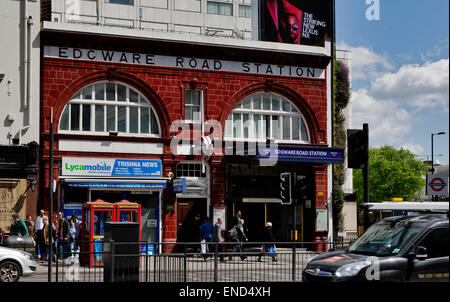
(86, 118)
(229, 127)
(122, 118)
(257, 126)
(196, 97)
(134, 120)
(296, 128)
(188, 113)
(133, 96)
(99, 118)
(246, 125)
(86, 93)
(110, 118)
(121, 93)
(100, 91)
(275, 104)
(75, 117)
(154, 123)
(275, 127)
(286, 128)
(188, 97)
(110, 91)
(145, 120)
(257, 102)
(304, 132)
(196, 114)
(266, 126)
(237, 127)
(247, 104)
(64, 123)
(286, 106)
(266, 102)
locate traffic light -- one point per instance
(285, 188)
(358, 148)
(302, 189)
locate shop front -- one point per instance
(113, 180)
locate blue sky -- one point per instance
(400, 72)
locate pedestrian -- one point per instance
(46, 233)
(206, 234)
(238, 236)
(268, 243)
(30, 226)
(63, 236)
(38, 226)
(237, 218)
(77, 239)
(195, 235)
(218, 238)
(18, 227)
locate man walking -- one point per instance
(63, 235)
(18, 227)
(238, 238)
(206, 234)
(218, 239)
(40, 243)
(268, 244)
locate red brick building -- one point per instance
(114, 99)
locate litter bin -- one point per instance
(121, 252)
(23, 243)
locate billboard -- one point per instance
(302, 22)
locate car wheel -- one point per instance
(9, 272)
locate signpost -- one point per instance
(437, 185)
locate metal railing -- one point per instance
(185, 262)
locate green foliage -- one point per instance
(392, 173)
(341, 97)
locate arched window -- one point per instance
(266, 115)
(105, 107)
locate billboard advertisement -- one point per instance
(302, 22)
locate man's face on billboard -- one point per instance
(291, 28)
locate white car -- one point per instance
(15, 264)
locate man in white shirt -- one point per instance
(39, 225)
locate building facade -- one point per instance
(187, 125)
(19, 96)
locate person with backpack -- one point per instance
(237, 235)
(206, 234)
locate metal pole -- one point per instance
(366, 182)
(50, 210)
(432, 160)
(216, 250)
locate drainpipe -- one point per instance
(28, 61)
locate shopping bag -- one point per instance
(203, 246)
(271, 251)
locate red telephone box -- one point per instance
(95, 214)
(126, 211)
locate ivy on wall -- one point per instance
(341, 97)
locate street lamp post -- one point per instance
(432, 155)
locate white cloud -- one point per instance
(416, 149)
(388, 122)
(421, 86)
(366, 64)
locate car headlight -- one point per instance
(352, 269)
(28, 256)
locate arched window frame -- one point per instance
(267, 106)
(130, 98)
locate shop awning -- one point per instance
(158, 183)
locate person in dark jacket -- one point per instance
(268, 241)
(218, 238)
(63, 237)
(206, 234)
(18, 227)
(238, 239)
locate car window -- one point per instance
(436, 242)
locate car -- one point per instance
(399, 248)
(15, 264)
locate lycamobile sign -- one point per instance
(80, 166)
